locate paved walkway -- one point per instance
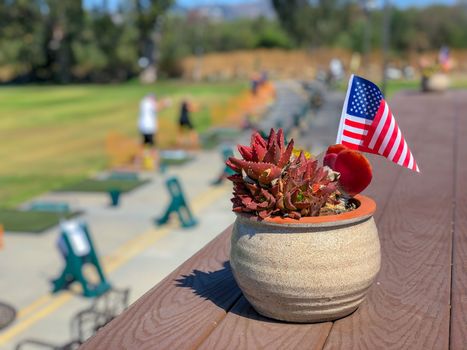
(125, 238)
(133, 251)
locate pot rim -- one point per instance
(365, 210)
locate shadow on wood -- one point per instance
(217, 286)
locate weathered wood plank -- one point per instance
(408, 307)
(182, 310)
(244, 328)
(459, 268)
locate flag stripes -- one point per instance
(368, 125)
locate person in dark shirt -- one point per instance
(184, 121)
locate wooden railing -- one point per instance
(417, 302)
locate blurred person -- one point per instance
(255, 81)
(336, 68)
(264, 78)
(184, 120)
(147, 121)
(335, 72)
(188, 137)
(148, 127)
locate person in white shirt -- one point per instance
(147, 122)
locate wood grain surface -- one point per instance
(408, 307)
(244, 328)
(459, 269)
(181, 310)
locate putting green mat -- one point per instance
(31, 221)
(93, 185)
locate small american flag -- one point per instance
(368, 125)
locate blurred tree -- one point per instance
(21, 37)
(269, 34)
(106, 49)
(197, 35)
(313, 22)
(63, 23)
(149, 22)
(295, 17)
(62, 41)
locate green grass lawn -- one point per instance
(395, 86)
(31, 221)
(52, 136)
(92, 185)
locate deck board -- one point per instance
(244, 328)
(459, 270)
(180, 311)
(408, 307)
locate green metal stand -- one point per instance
(177, 204)
(114, 194)
(226, 153)
(73, 270)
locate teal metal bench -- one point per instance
(178, 204)
(55, 207)
(123, 175)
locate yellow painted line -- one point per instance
(33, 306)
(129, 251)
(140, 243)
(110, 263)
(28, 322)
(204, 199)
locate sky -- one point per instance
(192, 3)
(401, 3)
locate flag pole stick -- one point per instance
(386, 22)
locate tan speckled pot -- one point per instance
(308, 270)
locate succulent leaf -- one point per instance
(288, 202)
(273, 154)
(271, 138)
(280, 139)
(232, 165)
(269, 174)
(236, 178)
(257, 139)
(246, 152)
(259, 151)
(285, 157)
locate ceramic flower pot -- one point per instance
(310, 270)
(438, 82)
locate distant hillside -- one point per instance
(247, 9)
(299, 64)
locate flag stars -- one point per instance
(364, 99)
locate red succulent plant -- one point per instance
(263, 161)
(269, 180)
